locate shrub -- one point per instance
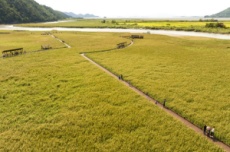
(215, 25)
(113, 21)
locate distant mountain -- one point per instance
(25, 11)
(71, 14)
(223, 14)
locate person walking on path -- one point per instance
(205, 127)
(212, 132)
(164, 102)
(208, 130)
(120, 77)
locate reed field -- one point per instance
(191, 73)
(178, 25)
(57, 101)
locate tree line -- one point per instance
(25, 11)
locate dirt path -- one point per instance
(67, 45)
(168, 111)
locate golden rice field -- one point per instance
(57, 101)
(192, 74)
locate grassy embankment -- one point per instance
(58, 101)
(190, 73)
(196, 26)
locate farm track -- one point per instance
(168, 111)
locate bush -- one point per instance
(113, 21)
(215, 25)
(103, 21)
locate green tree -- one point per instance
(23, 11)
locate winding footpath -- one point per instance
(168, 111)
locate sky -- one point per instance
(139, 8)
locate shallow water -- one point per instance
(161, 32)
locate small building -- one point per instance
(46, 33)
(137, 36)
(121, 45)
(46, 47)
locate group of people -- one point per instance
(209, 131)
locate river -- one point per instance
(161, 32)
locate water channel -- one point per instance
(161, 32)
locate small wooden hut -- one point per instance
(12, 52)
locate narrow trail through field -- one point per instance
(67, 45)
(168, 111)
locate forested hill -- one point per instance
(24, 11)
(223, 14)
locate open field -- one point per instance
(190, 73)
(197, 26)
(58, 101)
